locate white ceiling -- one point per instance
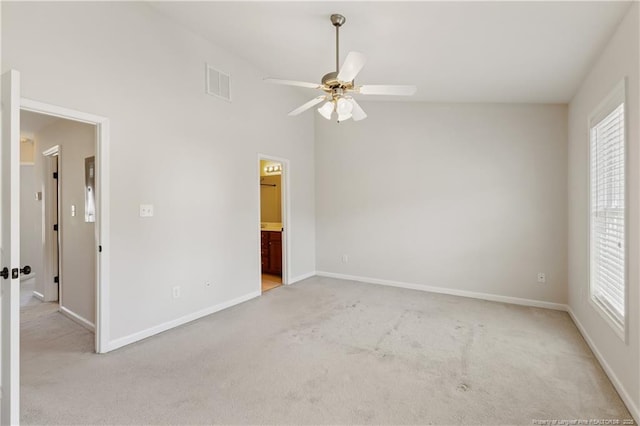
(453, 51)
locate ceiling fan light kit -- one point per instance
(339, 85)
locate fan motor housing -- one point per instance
(331, 81)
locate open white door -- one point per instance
(10, 250)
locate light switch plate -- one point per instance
(146, 210)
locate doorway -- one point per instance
(13, 107)
(57, 232)
(272, 174)
(72, 269)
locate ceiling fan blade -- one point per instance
(311, 103)
(351, 66)
(387, 89)
(357, 113)
(292, 83)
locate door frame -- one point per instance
(286, 225)
(10, 168)
(101, 239)
(51, 237)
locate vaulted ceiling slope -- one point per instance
(453, 51)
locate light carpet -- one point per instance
(324, 351)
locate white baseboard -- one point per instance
(302, 277)
(78, 319)
(38, 296)
(629, 402)
(450, 291)
(123, 341)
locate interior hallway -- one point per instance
(31, 307)
(26, 292)
(331, 351)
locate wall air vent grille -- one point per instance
(218, 83)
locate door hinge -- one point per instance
(55, 175)
(55, 227)
(99, 249)
(56, 280)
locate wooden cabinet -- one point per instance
(271, 252)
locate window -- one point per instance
(607, 225)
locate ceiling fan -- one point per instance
(339, 86)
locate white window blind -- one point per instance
(607, 240)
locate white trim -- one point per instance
(103, 236)
(135, 337)
(629, 402)
(619, 329)
(617, 95)
(102, 208)
(450, 291)
(77, 318)
(612, 99)
(302, 277)
(286, 215)
(58, 111)
(53, 151)
(10, 329)
(38, 296)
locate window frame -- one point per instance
(615, 97)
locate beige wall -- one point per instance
(30, 220)
(191, 155)
(618, 60)
(459, 196)
(271, 199)
(78, 249)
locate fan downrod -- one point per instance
(337, 20)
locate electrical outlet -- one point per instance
(542, 277)
(146, 210)
(176, 292)
(345, 258)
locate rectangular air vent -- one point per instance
(218, 83)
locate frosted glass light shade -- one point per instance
(326, 110)
(344, 107)
(343, 117)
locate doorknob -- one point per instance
(14, 273)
